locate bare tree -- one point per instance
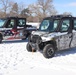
(14, 10)
(25, 13)
(42, 8)
(5, 4)
(2, 15)
(21, 7)
(67, 13)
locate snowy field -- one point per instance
(15, 60)
(33, 24)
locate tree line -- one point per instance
(34, 12)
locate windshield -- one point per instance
(2, 21)
(49, 25)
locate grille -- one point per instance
(36, 39)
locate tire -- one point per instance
(48, 51)
(29, 48)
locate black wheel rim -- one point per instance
(50, 52)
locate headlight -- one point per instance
(44, 39)
(32, 32)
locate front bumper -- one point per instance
(34, 46)
(35, 41)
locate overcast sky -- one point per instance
(60, 5)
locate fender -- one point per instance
(53, 42)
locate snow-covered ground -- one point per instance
(15, 60)
(33, 24)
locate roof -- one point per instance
(59, 16)
(12, 18)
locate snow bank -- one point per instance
(34, 24)
(15, 60)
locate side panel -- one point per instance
(20, 31)
(73, 43)
(6, 33)
(63, 41)
(10, 34)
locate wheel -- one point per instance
(48, 51)
(29, 48)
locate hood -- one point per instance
(40, 33)
(46, 36)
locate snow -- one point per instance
(15, 60)
(33, 24)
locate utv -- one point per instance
(14, 28)
(55, 33)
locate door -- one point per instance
(65, 37)
(21, 27)
(73, 44)
(9, 30)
